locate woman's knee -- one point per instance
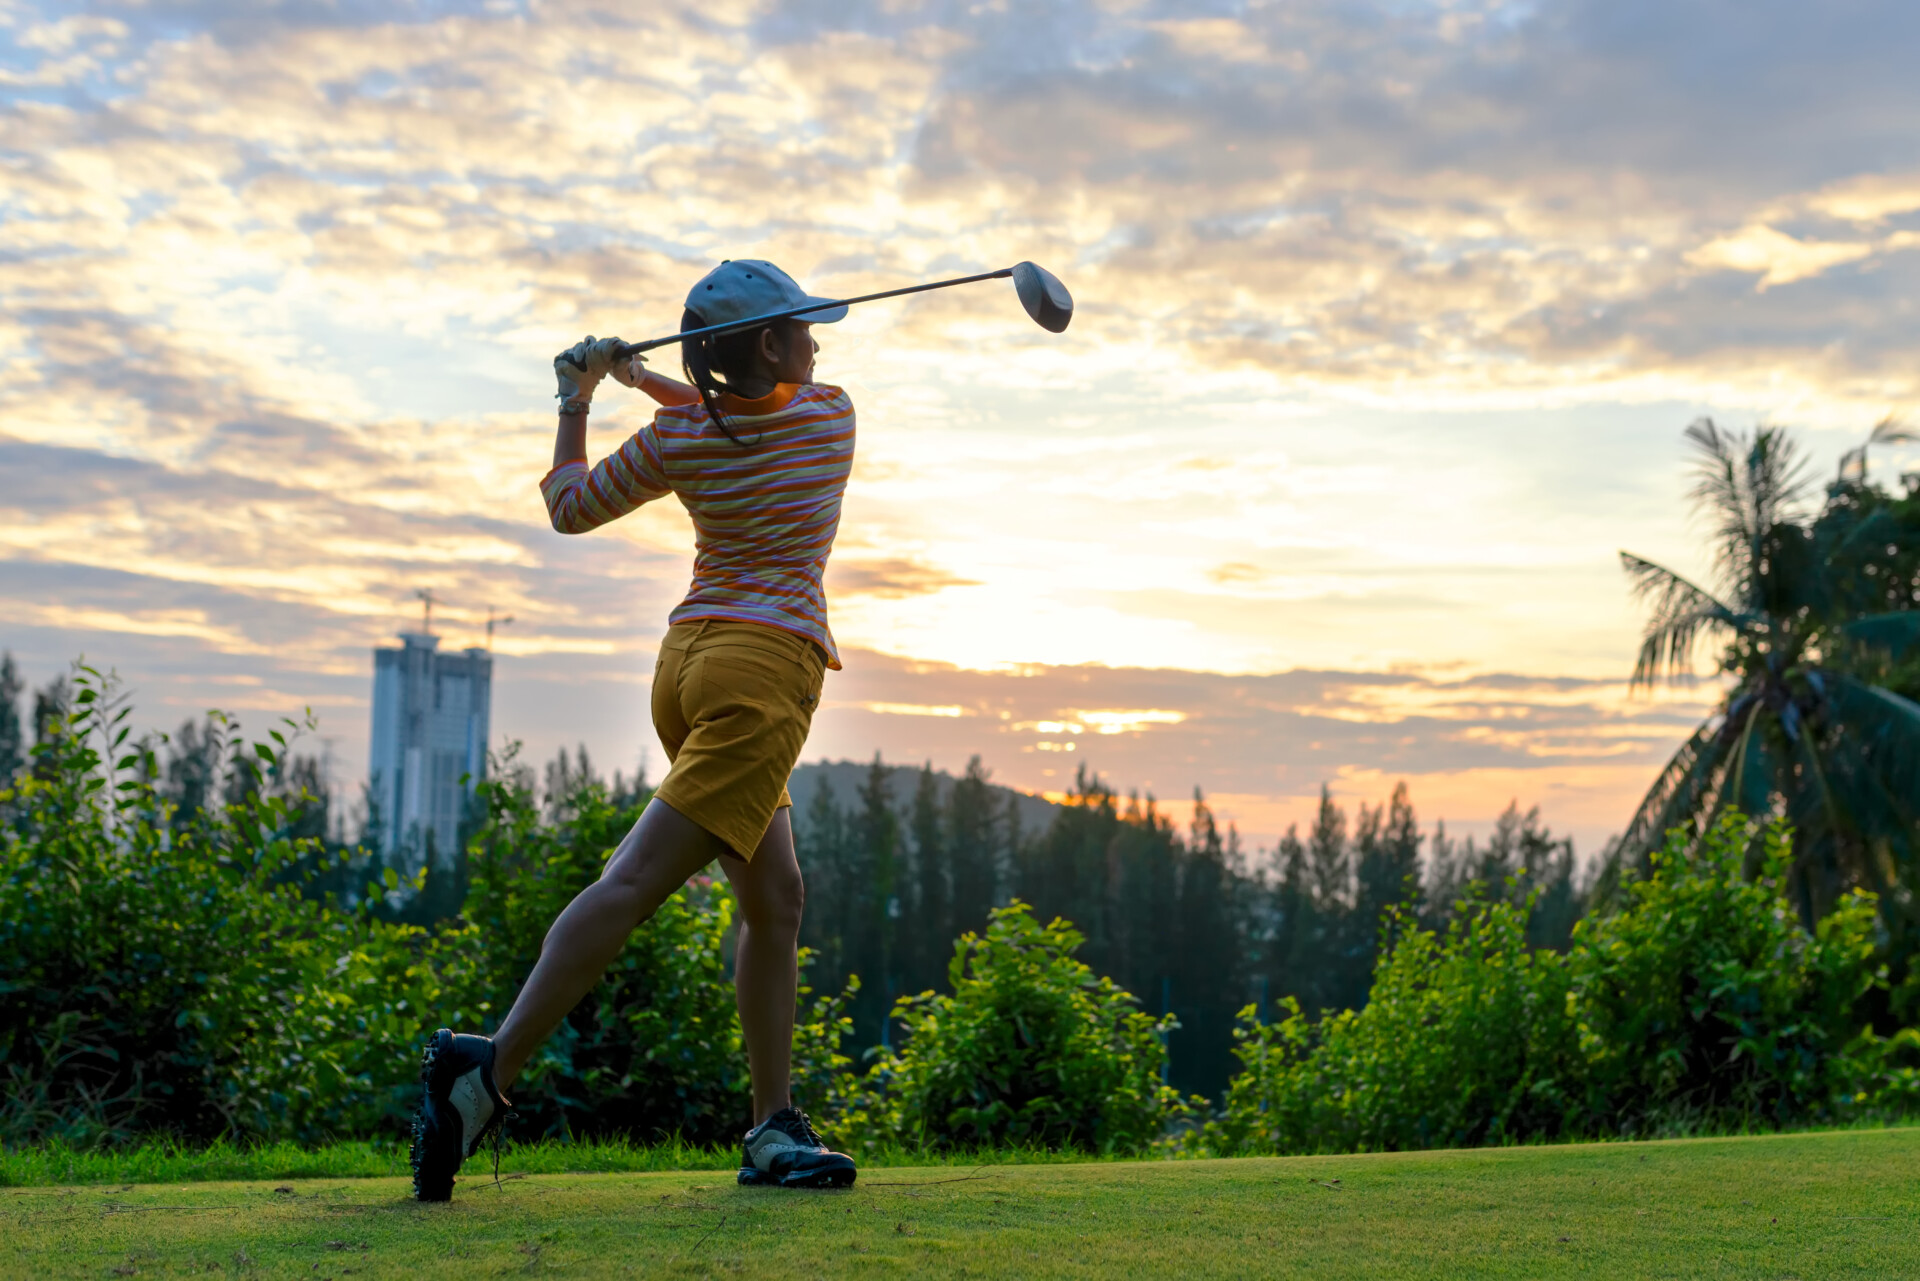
(776, 901)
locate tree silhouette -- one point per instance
(1808, 610)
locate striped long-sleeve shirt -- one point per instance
(764, 515)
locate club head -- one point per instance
(1044, 297)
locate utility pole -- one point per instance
(425, 597)
(493, 622)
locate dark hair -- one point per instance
(728, 355)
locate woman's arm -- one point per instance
(668, 391)
(570, 440)
(579, 499)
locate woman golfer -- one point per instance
(759, 454)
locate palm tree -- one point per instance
(1804, 731)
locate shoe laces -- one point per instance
(806, 1128)
(500, 1128)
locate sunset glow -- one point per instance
(1382, 351)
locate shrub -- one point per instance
(1465, 1040)
(1030, 1049)
(168, 977)
(1703, 1003)
(162, 975)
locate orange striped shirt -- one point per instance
(764, 515)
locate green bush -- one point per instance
(1703, 1004)
(162, 977)
(1465, 1040)
(1705, 1001)
(167, 976)
(1031, 1049)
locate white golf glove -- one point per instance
(631, 372)
(579, 369)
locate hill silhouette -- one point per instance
(846, 778)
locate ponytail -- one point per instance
(706, 359)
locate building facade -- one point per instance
(430, 716)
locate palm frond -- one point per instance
(1862, 790)
(1880, 816)
(1888, 431)
(1745, 485)
(1825, 834)
(1891, 431)
(1896, 632)
(1719, 486)
(1679, 611)
(1885, 732)
(1683, 795)
(1751, 771)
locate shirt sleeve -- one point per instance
(579, 500)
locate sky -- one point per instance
(1390, 316)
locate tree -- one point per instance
(1295, 924)
(820, 838)
(50, 706)
(1209, 963)
(1386, 870)
(192, 775)
(973, 847)
(875, 901)
(1809, 611)
(929, 915)
(1335, 983)
(13, 741)
(566, 780)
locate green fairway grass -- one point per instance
(1843, 1204)
(161, 1161)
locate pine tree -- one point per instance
(50, 703)
(1208, 965)
(1386, 874)
(1330, 876)
(876, 950)
(929, 918)
(820, 839)
(1295, 924)
(373, 819)
(1444, 877)
(565, 779)
(1402, 841)
(13, 744)
(194, 771)
(973, 850)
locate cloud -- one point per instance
(891, 579)
(1268, 742)
(1389, 314)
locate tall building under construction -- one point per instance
(430, 713)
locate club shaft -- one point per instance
(753, 322)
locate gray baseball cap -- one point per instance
(742, 288)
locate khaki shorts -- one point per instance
(732, 703)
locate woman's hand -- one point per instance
(579, 369)
(630, 373)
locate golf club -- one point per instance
(1040, 291)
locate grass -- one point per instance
(1844, 1204)
(56, 1165)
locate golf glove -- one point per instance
(579, 369)
(630, 373)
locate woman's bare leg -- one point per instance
(664, 848)
(766, 968)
